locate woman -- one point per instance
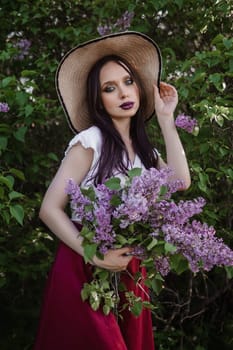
(108, 87)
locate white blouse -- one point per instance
(92, 138)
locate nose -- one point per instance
(123, 92)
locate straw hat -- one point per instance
(139, 50)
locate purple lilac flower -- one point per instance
(198, 243)
(104, 196)
(172, 187)
(140, 200)
(121, 24)
(104, 30)
(124, 21)
(155, 233)
(133, 209)
(4, 107)
(104, 233)
(23, 46)
(103, 227)
(169, 212)
(139, 252)
(186, 122)
(104, 239)
(149, 183)
(78, 201)
(162, 265)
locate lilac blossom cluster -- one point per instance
(186, 122)
(145, 211)
(4, 107)
(95, 214)
(142, 197)
(121, 24)
(197, 242)
(23, 46)
(162, 265)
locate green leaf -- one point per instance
(94, 300)
(53, 156)
(11, 180)
(6, 181)
(88, 192)
(169, 248)
(17, 212)
(102, 274)
(156, 285)
(136, 308)
(87, 234)
(159, 277)
(5, 215)
(229, 271)
(121, 239)
(228, 43)
(89, 252)
(15, 195)
(18, 173)
(28, 110)
(21, 98)
(20, 134)
(114, 183)
(134, 172)
(7, 81)
(106, 309)
(152, 244)
(115, 200)
(178, 263)
(84, 294)
(29, 73)
(163, 190)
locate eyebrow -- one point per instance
(113, 81)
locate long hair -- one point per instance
(114, 152)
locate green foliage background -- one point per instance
(195, 37)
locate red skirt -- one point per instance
(67, 322)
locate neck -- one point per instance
(123, 127)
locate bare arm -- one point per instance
(165, 104)
(75, 165)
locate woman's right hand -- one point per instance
(114, 260)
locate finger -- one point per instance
(124, 250)
(167, 89)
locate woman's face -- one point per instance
(119, 92)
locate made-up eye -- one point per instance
(129, 81)
(109, 88)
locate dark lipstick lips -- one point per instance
(127, 105)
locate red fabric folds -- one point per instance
(67, 322)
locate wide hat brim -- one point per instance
(138, 49)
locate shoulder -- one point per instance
(89, 138)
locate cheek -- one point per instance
(107, 101)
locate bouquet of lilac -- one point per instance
(141, 213)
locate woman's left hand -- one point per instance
(165, 100)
